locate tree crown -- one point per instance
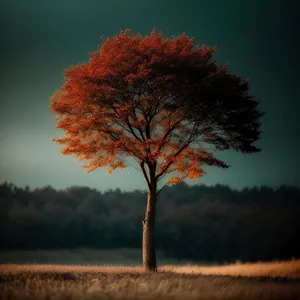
(161, 101)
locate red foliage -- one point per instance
(128, 100)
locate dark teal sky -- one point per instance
(39, 39)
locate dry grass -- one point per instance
(272, 269)
(276, 280)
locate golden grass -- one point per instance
(39, 268)
(272, 269)
(281, 280)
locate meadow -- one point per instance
(272, 280)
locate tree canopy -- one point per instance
(164, 102)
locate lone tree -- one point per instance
(160, 101)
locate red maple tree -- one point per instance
(161, 101)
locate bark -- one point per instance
(149, 255)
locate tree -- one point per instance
(160, 101)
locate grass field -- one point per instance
(274, 280)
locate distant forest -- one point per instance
(194, 222)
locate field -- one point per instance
(274, 280)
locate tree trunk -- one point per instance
(149, 256)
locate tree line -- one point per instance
(197, 222)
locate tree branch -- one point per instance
(159, 192)
(167, 133)
(131, 130)
(170, 163)
(142, 164)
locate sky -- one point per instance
(39, 39)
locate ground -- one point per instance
(276, 280)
